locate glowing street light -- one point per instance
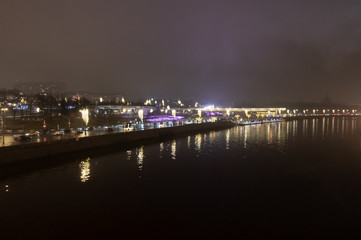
(228, 112)
(140, 114)
(85, 115)
(174, 113)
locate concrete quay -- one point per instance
(22, 153)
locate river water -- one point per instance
(298, 179)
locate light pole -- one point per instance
(3, 123)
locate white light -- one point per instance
(85, 115)
(140, 114)
(209, 107)
(174, 113)
(84, 170)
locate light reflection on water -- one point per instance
(198, 142)
(228, 132)
(85, 170)
(174, 149)
(140, 156)
(147, 172)
(277, 136)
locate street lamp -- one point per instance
(3, 110)
(140, 114)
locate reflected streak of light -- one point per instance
(313, 128)
(227, 138)
(161, 148)
(174, 149)
(140, 157)
(212, 136)
(246, 133)
(85, 170)
(129, 154)
(270, 134)
(198, 142)
(294, 130)
(189, 142)
(328, 126)
(353, 123)
(287, 129)
(304, 127)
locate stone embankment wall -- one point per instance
(18, 153)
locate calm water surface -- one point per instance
(298, 179)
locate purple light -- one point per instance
(209, 113)
(19, 107)
(160, 119)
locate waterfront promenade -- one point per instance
(18, 153)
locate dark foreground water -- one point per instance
(299, 179)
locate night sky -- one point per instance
(254, 51)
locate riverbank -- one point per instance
(321, 116)
(20, 153)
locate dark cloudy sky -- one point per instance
(279, 50)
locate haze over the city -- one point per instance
(255, 51)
